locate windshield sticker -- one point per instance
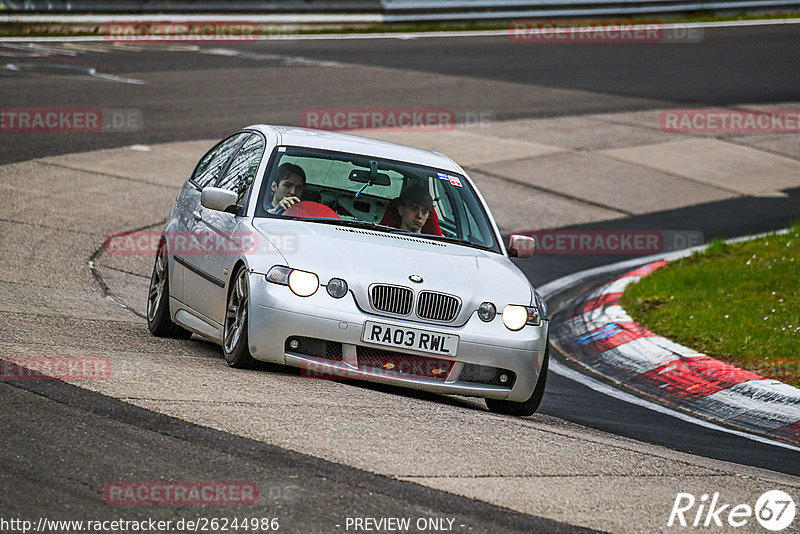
(449, 177)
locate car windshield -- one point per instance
(384, 195)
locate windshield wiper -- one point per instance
(457, 241)
(391, 229)
(356, 224)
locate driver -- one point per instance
(414, 208)
(287, 188)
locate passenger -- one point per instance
(287, 188)
(414, 208)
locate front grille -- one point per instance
(483, 374)
(318, 348)
(437, 306)
(392, 299)
(389, 362)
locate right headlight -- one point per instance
(302, 283)
(515, 316)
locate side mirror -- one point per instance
(215, 198)
(521, 246)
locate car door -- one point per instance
(187, 276)
(223, 240)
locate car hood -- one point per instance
(365, 257)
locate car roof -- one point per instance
(328, 140)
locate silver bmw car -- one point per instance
(350, 258)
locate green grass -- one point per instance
(39, 29)
(739, 303)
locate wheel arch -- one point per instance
(235, 269)
(239, 263)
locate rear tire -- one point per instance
(158, 320)
(235, 345)
(529, 406)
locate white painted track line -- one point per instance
(551, 288)
(562, 370)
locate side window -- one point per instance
(212, 163)
(243, 168)
(474, 234)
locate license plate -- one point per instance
(410, 338)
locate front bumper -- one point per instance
(277, 314)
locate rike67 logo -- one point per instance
(774, 510)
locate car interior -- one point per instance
(358, 188)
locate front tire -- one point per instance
(235, 345)
(529, 406)
(158, 320)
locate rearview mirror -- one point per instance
(521, 246)
(216, 198)
(363, 177)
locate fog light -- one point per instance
(487, 311)
(503, 378)
(294, 344)
(337, 288)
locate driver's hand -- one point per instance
(286, 203)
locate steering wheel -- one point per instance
(308, 209)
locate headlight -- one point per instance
(487, 311)
(337, 288)
(515, 316)
(302, 283)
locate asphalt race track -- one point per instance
(187, 93)
(235, 84)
